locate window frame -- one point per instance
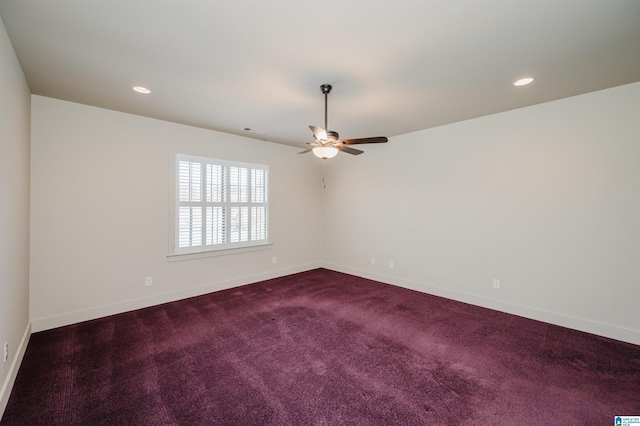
(227, 247)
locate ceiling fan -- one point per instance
(327, 143)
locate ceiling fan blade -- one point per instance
(305, 151)
(348, 150)
(377, 139)
(319, 133)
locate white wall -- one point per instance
(544, 198)
(14, 214)
(100, 208)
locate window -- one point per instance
(220, 204)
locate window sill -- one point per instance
(216, 253)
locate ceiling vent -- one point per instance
(256, 131)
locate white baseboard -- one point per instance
(581, 324)
(7, 386)
(41, 324)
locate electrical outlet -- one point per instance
(148, 281)
(496, 284)
(373, 261)
(391, 264)
(6, 351)
(274, 259)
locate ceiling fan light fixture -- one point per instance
(325, 152)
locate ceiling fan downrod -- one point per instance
(326, 89)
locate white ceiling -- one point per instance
(395, 66)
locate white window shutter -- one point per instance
(258, 223)
(216, 224)
(220, 204)
(189, 181)
(190, 227)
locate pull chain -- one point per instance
(324, 185)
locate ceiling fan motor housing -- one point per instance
(332, 136)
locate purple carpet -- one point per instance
(322, 348)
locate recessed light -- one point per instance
(523, 81)
(142, 90)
